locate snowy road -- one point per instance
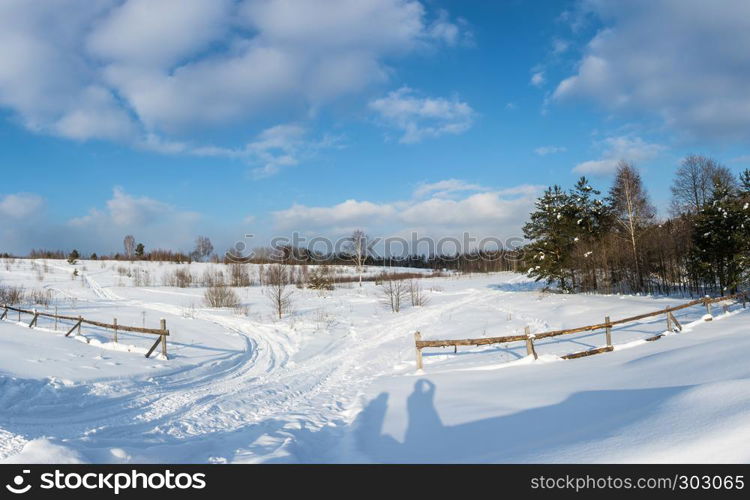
(248, 388)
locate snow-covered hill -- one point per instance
(336, 381)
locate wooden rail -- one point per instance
(607, 326)
(162, 332)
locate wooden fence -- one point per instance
(162, 332)
(529, 337)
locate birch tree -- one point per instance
(129, 244)
(357, 249)
(631, 209)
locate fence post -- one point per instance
(33, 320)
(114, 323)
(55, 318)
(744, 300)
(608, 331)
(5, 313)
(530, 343)
(80, 320)
(707, 302)
(417, 338)
(164, 338)
(669, 321)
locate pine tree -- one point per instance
(592, 221)
(73, 257)
(720, 255)
(139, 250)
(745, 182)
(552, 231)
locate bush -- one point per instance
(180, 277)
(239, 274)
(42, 297)
(12, 295)
(320, 278)
(221, 296)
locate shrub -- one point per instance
(180, 277)
(319, 278)
(221, 296)
(12, 295)
(42, 297)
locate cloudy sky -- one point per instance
(172, 118)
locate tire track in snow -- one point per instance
(241, 392)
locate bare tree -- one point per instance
(239, 274)
(129, 244)
(357, 249)
(394, 292)
(631, 208)
(416, 294)
(277, 280)
(695, 182)
(203, 248)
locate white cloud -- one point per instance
(618, 148)
(135, 70)
(154, 222)
(276, 147)
(537, 79)
(46, 79)
(124, 210)
(445, 188)
(560, 46)
(20, 205)
(418, 117)
(489, 212)
(144, 33)
(549, 150)
(683, 59)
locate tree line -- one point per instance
(583, 241)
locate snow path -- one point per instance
(257, 393)
(244, 387)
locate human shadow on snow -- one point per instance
(589, 416)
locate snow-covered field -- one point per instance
(336, 380)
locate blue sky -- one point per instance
(167, 119)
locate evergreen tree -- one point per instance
(592, 221)
(139, 250)
(73, 257)
(745, 182)
(721, 239)
(552, 231)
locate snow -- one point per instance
(44, 451)
(336, 380)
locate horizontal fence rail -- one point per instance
(162, 332)
(607, 326)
